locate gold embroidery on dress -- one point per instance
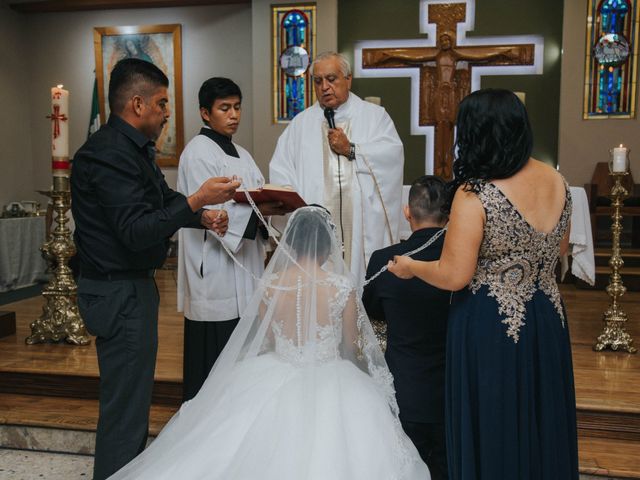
(515, 260)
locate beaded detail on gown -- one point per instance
(515, 259)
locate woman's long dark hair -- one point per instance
(493, 139)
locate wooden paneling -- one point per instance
(609, 424)
(77, 5)
(76, 386)
(609, 458)
(70, 413)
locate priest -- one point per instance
(344, 153)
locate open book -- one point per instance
(272, 193)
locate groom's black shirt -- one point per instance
(123, 209)
(416, 316)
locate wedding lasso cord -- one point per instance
(273, 233)
(433, 238)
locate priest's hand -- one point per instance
(339, 142)
(273, 208)
(214, 191)
(400, 266)
(215, 220)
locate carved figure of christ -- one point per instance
(442, 84)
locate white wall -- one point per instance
(583, 143)
(265, 132)
(16, 181)
(41, 50)
(216, 41)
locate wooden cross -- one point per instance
(56, 118)
(443, 81)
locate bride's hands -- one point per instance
(400, 266)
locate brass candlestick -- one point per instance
(60, 319)
(613, 335)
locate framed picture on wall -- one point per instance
(160, 45)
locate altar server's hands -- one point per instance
(215, 220)
(400, 266)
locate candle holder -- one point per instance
(60, 319)
(613, 335)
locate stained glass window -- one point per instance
(611, 63)
(294, 40)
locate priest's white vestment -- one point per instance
(371, 185)
(211, 287)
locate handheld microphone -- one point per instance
(329, 114)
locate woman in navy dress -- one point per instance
(510, 400)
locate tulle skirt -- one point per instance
(272, 420)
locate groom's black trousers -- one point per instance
(123, 314)
(429, 439)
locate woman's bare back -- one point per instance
(537, 192)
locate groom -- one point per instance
(416, 316)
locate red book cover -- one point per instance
(272, 193)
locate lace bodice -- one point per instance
(515, 260)
(325, 347)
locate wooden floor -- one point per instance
(607, 387)
(63, 359)
(607, 383)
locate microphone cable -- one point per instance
(329, 115)
(340, 202)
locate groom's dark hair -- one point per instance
(130, 77)
(428, 199)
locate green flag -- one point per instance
(94, 120)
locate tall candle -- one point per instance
(619, 163)
(59, 131)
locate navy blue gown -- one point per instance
(510, 400)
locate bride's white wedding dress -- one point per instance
(301, 391)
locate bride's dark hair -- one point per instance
(307, 232)
(493, 138)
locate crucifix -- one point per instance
(445, 74)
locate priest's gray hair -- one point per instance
(345, 66)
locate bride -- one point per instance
(301, 390)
